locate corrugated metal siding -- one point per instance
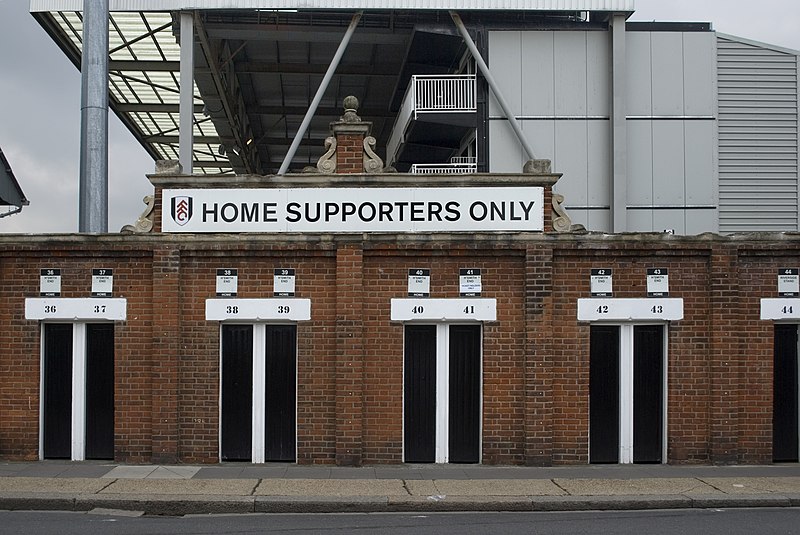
(168, 5)
(758, 138)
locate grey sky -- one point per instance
(40, 107)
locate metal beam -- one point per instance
(337, 57)
(135, 107)
(619, 126)
(93, 203)
(143, 65)
(300, 34)
(219, 85)
(186, 118)
(493, 84)
(257, 67)
(322, 111)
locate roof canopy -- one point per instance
(10, 192)
(487, 5)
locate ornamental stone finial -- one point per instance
(350, 110)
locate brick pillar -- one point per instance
(166, 348)
(354, 146)
(725, 354)
(538, 360)
(349, 354)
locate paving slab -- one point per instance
(331, 487)
(755, 485)
(635, 487)
(221, 472)
(73, 485)
(130, 472)
(497, 487)
(421, 487)
(182, 487)
(174, 472)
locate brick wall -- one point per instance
(535, 402)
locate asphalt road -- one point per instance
(708, 522)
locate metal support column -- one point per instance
(493, 84)
(619, 126)
(93, 201)
(186, 93)
(312, 109)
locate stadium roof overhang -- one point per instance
(10, 192)
(258, 65)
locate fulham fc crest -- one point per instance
(181, 209)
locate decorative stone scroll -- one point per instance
(144, 224)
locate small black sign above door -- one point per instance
(283, 282)
(50, 282)
(657, 282)
(600, 282)
(419, 282)
(789, 282)
(102, 282)
(227, 282)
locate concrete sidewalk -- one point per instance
(246, 488)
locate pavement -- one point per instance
(290, 488)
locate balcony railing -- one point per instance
(458, 165)
(443, 93)
(432, 93)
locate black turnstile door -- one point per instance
(785, 395)
(648, 393)
(465, 393)
(100, 391)
(604, 394)
(419, 394)
(237, 392)
(280, 384)
(57, 391)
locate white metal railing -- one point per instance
(443, 93)
(431, 93)
(458, 165)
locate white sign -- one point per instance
(258, 309)
(227, 282)
(419, 282)
(669, 309)
(469, 282)
(789, 282)
(102, 282)
(444, 309)
(43, 308)
(600, 283)
(780, 309)
(657, 282)
(485, 209)
(283, 282)
(50, 282)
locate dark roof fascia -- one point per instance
(10, 174)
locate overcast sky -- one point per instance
(40, 107)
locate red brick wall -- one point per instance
(350, 355)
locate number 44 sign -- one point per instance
(789, 282)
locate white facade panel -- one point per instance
(669, 220)
(570, 78)
(669, 186)
(639, 73)
(598, 77)
(170, 5)
(538, 71)
(667, 72)
(699, 65)
(571, 158)
(699, 163)
(640, 163)
(599, 158)
(505, 150)
(505, 57)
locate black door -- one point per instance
(604, 394)
(648, 393)
(465, 392)
(419, 400)
(237, 392)
(280, 384)
(100, 391)
(785, 395)
(57, 391)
